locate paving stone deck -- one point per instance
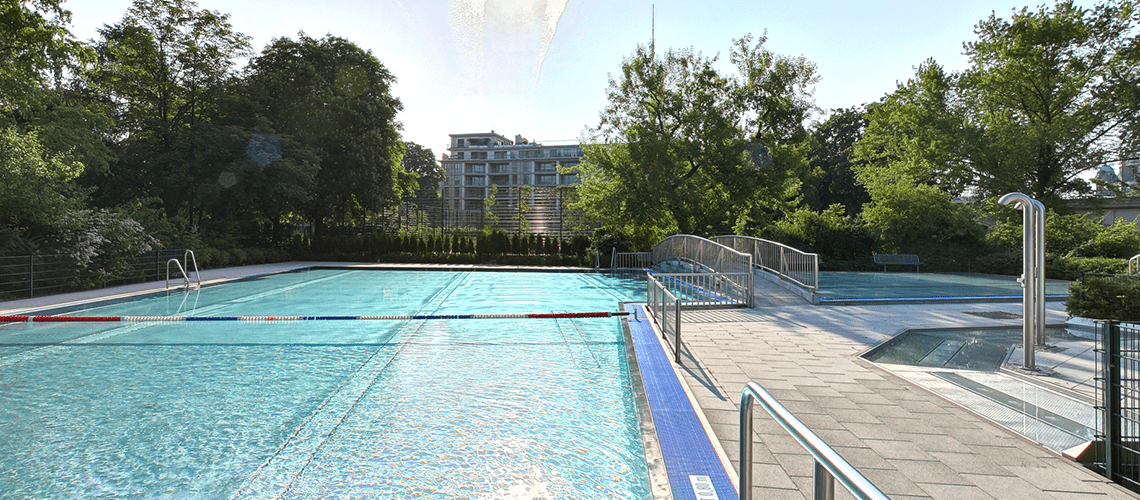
(910, 442)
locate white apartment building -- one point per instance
(529, 185)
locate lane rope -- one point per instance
(158, 319)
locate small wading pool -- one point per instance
(876, 286)
(495, 408)
(982, 349)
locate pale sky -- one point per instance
(539, 68)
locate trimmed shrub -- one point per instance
(1101, 296)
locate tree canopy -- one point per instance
(683, 148)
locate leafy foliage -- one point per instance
(1114, 297)
(690, 150)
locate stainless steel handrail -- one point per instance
(180, 269)
(828, 464)
(1135, 260)
(797, 266)
(188, 257)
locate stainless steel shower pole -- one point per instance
(1033, 271)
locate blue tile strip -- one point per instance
(685, 446)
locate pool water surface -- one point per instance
(532, 408)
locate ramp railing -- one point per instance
(666, 311)
(698, 255)
(788, 263)
(829, 466)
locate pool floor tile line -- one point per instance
(277, 475)
(685, 446)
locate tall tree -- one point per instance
(165, 66)
(831, 179)
(421, 161)
(1043, 82)
(1049, 95)
(683, 148)
(335, 97)
(36, 48)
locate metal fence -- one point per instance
(794, 265)
(28, 276)
(707, 290)
(1118, 401)
(666, 311)
(631, 260)
(706, 256)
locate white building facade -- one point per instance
(492, 181)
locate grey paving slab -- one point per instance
(909, 441)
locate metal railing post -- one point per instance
(677, 334)
(824, 483)
(31, 276)
(1112, 400)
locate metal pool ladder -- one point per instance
(828, 464)
(188, 258)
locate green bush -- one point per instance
(842, 244)
(1120, 240)
(1070, 268)
(1099, 296)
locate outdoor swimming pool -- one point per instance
(484, 408)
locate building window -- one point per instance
(458, 156)
(545, 167)
(544, 180)
(475, 168)
(500, 168)
(570, 178)
(478, 155)
(459, 144)
(500, 155)
(475, 180)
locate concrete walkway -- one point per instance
(910, 442)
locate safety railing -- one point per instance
(788, 263)
(704, 255)
(631, 260)
(829, 466)
(188, 258)
(705, 290)
(666, 311)
(28, 276)
(1134, 265)
(1118, 400)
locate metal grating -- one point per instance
(1118, 399)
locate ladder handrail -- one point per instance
(180, 269)
(828, 464)
(188, 257)
(1134, 260)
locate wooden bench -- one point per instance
(890, 259)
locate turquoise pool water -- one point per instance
(856, 286)
(369, 409)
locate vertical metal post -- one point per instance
(1032, 270)
(824, 483)
(746, 401)
(677, 334)
(1112, 400)
(1039, 269)
(31, 276)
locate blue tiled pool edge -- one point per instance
(685, 445)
